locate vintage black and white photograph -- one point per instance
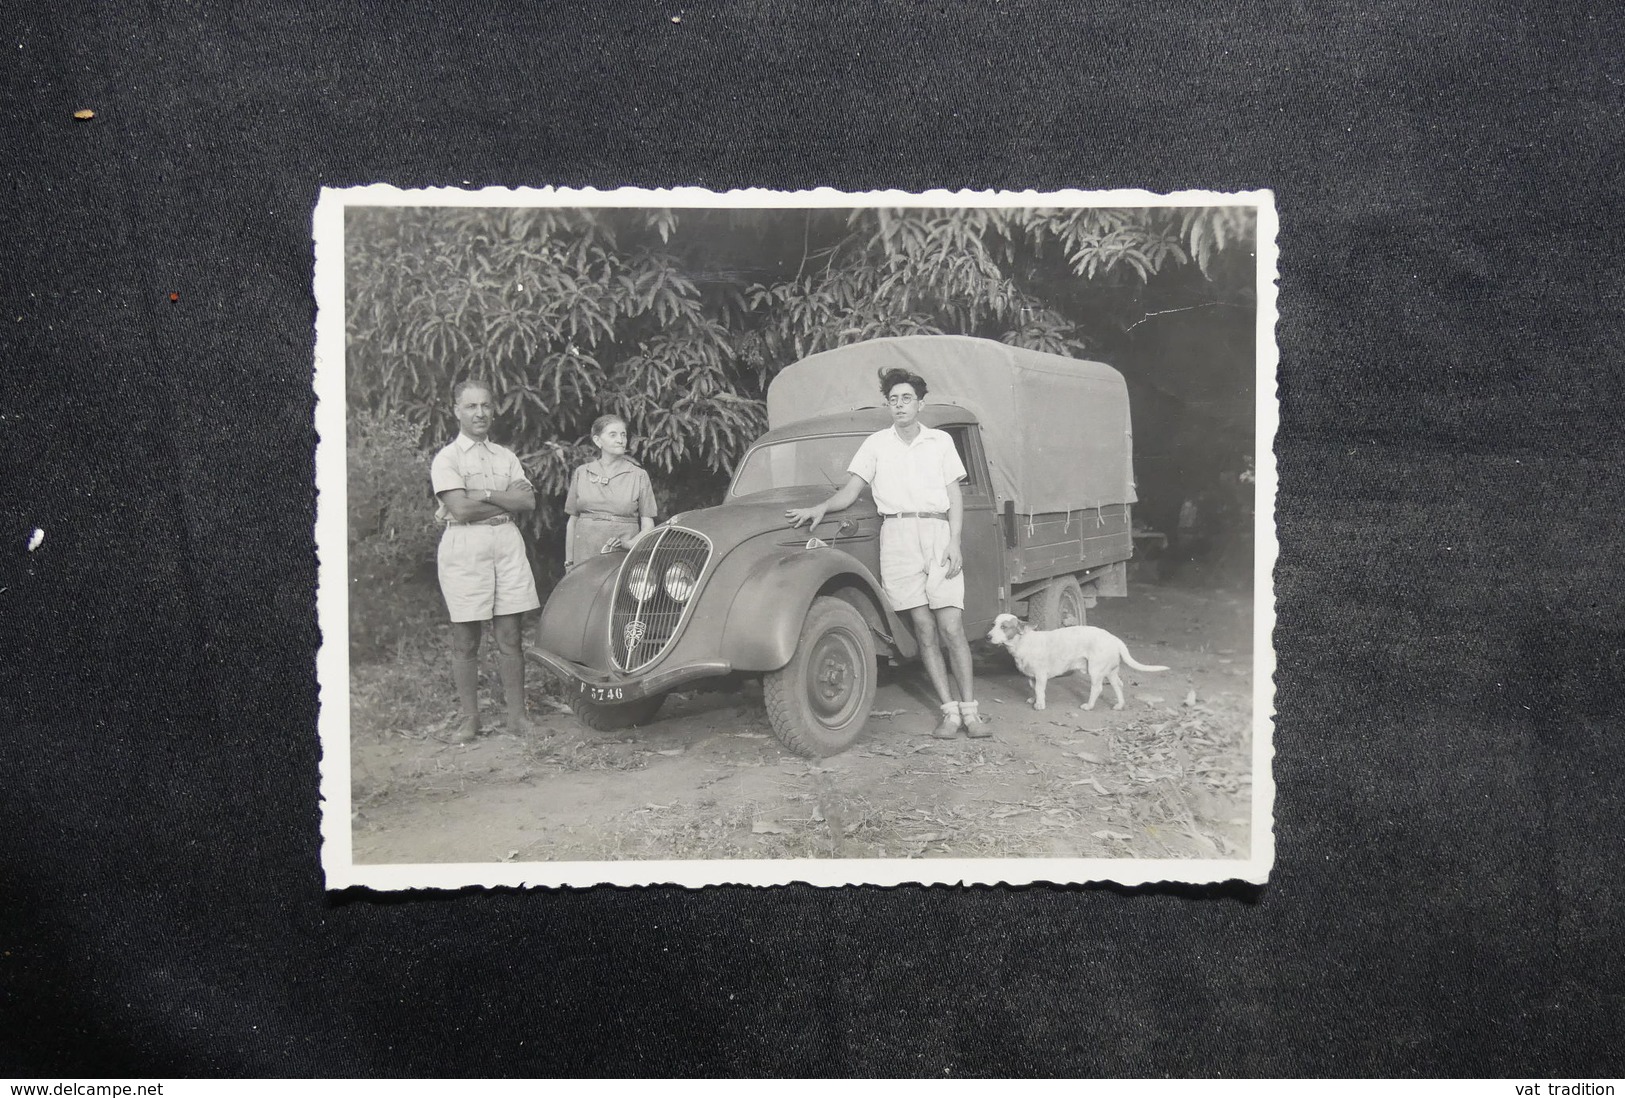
(674, 536)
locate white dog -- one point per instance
(1044, 654)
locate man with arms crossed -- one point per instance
(484, 573)
(915, 472)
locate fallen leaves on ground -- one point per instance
(1157, 780)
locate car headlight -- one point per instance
(680, 581)
(640, 583)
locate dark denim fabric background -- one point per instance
(1448, 891)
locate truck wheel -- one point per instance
(1059, 605)
(819, 702)
(608, 717)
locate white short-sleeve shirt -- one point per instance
(466, 463)
(908, 476)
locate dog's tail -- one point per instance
(1128, 659)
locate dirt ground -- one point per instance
(1168, 776)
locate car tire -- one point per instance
(608, 717)
(1059, 605)
(819, 702)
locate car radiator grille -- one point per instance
(645, 618)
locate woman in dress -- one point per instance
(611, 501)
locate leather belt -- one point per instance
(611, 515)
(918, 514)
(494, 520)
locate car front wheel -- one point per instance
(608, 717)
(819, 702)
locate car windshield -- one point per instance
(820, 461)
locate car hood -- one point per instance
(745, 517)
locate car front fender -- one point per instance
(575, 621)
(764, 621)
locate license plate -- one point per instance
(603, 693)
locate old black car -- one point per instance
(732, 590)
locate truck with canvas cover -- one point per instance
(732, 590)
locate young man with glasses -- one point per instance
(915, 472)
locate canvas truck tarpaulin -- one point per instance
(1057, 429)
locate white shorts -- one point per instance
(911, 565)
(484, 572)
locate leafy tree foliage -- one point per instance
(391, 526)
(565, 312)
(677, 319)
(1006, 274)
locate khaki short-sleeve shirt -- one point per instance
(908, 476)
(465, 463)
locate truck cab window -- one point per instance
(970, 456)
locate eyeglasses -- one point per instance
(901, 400)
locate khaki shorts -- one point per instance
(911, 568)
(484, 572)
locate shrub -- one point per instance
(392, 532)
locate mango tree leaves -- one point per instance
(570, 312)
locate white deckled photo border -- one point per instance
(332, 662)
